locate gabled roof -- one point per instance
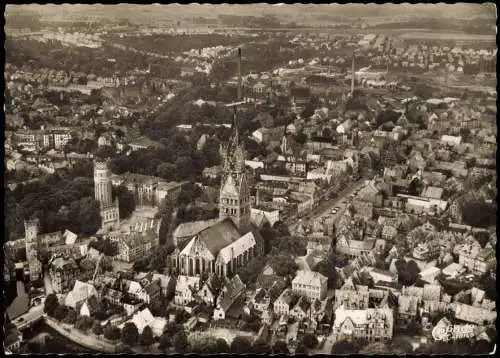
(230, 292)
(192, 228)
(218, 236)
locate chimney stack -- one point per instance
(239, 74)
(352, 73)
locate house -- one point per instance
(212, 172)
(231, 296)
(373, 324)
(285, 302)
(12, 340)
(261, 301)
(210, 290)
(451, 140)
(476, 315)
(407, 306)
(302, 309)
(354, 248)
(144, 292)
(191, 323)
(166, 283)
(475, 259)
(267, 316)
(144, 318)
(185, 289)
(453, 270)
(111, 295)
(352, 296)
(134, 245)
(63, 274)
(310, 284)
(90, 307)
(81, 292)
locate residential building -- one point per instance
(310, 284)
(144, 318)
(185, 289)
(80, 293)
(302, 309)
(475, 259)
(351, 296)
(230, 300)
(476, 315)
(373, 324)
(134, 245)
(285, 302)
(63, 274)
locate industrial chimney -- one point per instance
(352, 73)
(239, 74)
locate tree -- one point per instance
(221, 346)
(407, 272)
(105, 246)
(251, 271)
(147, 338)
(130, 334)
(283, 264)
(97, 328)
(301, 349)
(166, 171)
(184, 168)
(60, 312)
(83, 323)
(180, 342)
(345, 347)
(70, 317)
(301, 138)
(308, 111)
(280, 347)
(310, 340)
(241, 345)
(164, 341)
(87, 216)
(158, 307)
(105, 152)
(423, 91)
(112, 333)
(262, 348)
(51, 303)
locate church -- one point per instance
(228, 245)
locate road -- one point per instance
(326, 206)
(33, 313)
(47, 283)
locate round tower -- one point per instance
(102, 184)
(31, 228)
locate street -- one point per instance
(47, 283)
(326, 206)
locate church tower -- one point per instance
(234, 200)
(31, 228)
(103, 191)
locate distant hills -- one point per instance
(301, 13)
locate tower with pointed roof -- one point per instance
(234, 199)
